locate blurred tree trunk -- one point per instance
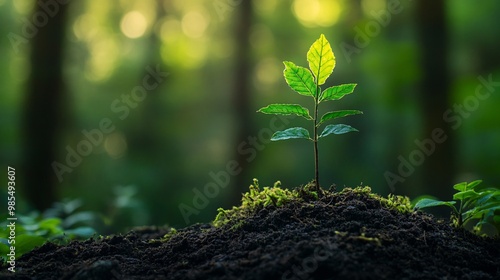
(43, 108)
(241, 94)
(439, 167)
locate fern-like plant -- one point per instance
(308, 83)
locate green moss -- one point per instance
(165, 237)
(169, 235)
(394, 202)
(398, 203)
(257, 198)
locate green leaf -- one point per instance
(473, 184)
(460, 186)
(286, 109)
(465, 194)
(490, 205)
(78, 218)
(429, 202)
(299, 79)
(336, 129)
(420, 197)
(337, 92)
(321, 59)
(50, 223)
(81, 232)
(486, 195)
(479, 213)
(338, 114)
(291, 133)
(25, 243)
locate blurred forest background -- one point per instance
(74, 66)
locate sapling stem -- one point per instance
(460, 222)
(316, 154)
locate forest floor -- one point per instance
(344, 235)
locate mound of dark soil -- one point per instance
(342, 236)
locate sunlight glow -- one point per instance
(195, 52)
(312, 13)
(185, 53)
(306, 10)
(93, 28)
(179, 50)
(170, 30)
(83, 27)
(194, 24)
(103, 57)
(23, 7)
(133, 24)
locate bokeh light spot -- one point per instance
(133, 24)
(306, 10)
(84, 28)
(115, 145)
(313, 13)
(170, 30)
(102, 60)
(194, 24)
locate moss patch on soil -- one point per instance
(352, 234)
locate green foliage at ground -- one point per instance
(478, 206)
(60, 224)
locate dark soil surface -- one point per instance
(348, 236)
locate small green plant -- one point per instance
(479, 205)
(307, 82)
(59, 224)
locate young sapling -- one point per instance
(308, 83)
